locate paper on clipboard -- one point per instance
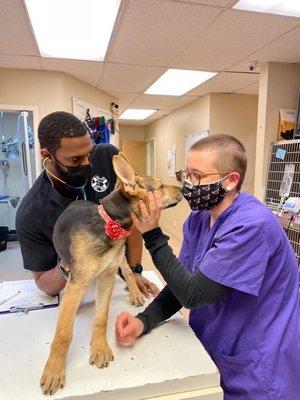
(23, 294)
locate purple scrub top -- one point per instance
(253, 334)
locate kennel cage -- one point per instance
(284, 154)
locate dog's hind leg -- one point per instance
(136, 296)
(101, 353)
(53, 377)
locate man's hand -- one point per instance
(128, 328)
(146, 287)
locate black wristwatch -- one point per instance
(137, 268)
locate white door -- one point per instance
(17, 161)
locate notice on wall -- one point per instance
(192, 138)
(172, 160)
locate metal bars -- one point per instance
(275, 174)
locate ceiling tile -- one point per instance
(128, 78)
(23, 62)
(164, 103)
(86, 71)
(251, 89)
(225, 82)
(232, 36)
(284, 49)
(123, 99)
(16, 37)
(154, 32)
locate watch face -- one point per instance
(137, 268)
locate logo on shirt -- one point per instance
(99, 184)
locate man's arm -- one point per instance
(50, 282)
(134, 249)
(134, 252)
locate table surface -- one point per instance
(168, 360)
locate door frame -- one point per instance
(152, 139)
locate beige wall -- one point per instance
(278, 88)
(170, 130)
(42, 89)
(133, 132)
(236, 115)
(48, 91)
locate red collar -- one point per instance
(112, 229)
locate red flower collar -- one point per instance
(112, 229)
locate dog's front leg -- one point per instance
(101, 353)
(136, 296)
(53, 376)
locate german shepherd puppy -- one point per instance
(81, 241)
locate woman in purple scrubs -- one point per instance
(236, 271)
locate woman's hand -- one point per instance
(128, 328)
(148, 219)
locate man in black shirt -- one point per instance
(74, 170)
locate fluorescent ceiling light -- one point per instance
(136, 113)
(281, 7)
(176, 82)
(74, 29)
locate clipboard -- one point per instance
(23, 296)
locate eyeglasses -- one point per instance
(194, 177)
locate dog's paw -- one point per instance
(137, 298)
(53, 378)
(101, 356)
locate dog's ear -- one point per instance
(119, 182)
(124, 172)
(122, 155)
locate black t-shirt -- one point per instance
(43, 204)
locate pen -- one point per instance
(9, 298)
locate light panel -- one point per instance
(136, 113)
(176, 82)
(73, 29)
(281, 7)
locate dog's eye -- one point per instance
(142, 185)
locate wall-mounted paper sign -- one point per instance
(192, 138)
(172, 160)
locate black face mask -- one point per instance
(203, 197)
(75, 176)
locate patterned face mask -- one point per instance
(205, 196)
